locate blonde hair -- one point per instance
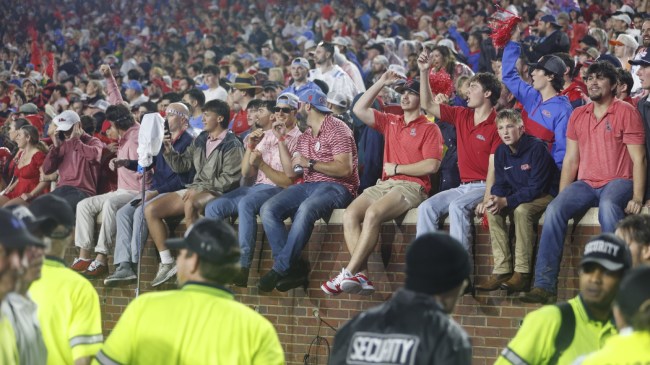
(510, 115)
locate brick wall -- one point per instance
(490, 319)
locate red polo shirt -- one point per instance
(603, 143)
(475, 142)
(407, 144)
(334, 138)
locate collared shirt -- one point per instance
(78, 161)
(268, 146)
(475, 142)
(628, 347)
(212, 144)
(203, 325)
(535, 340)
(22, 314)
(68, 310)
(603, 143)
(334, 138)
(407, 144)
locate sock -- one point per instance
(166, 257)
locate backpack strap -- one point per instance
(566, 333)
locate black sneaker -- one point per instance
(292, 281)
(241, 279)
(269, 281)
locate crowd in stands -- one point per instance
(293, 109)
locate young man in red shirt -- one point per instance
(412, 152)
(477, 141)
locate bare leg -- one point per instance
(352, 218)
(168, 205)
(14, 201)
(390, 206)
(195, 205)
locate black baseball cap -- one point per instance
(214, 241)
(589, 41)
(634, 291)
(643, 61)
(608, 251)
(550, 63)
(55, 209)
(34, 224)
(15, 234)
(410, 85)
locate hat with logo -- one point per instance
(244, 81)
(66, 120)
(634, 292)
(338, 99)
(213, 240)
(623, 17)
(28, 108)
(288, 99)
(317, 99)
(15, 234)
(609, 251)
(644, 60)
(625, 40)
(34, 224)
(134, 85)
(410, 85)
(300, 61)
(550, 63)
(436, 263)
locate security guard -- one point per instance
(68, 305)
(558, 334)
(414, 326)
(632, 313)
(13, 240)
(201, 323)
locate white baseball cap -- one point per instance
(66, 120)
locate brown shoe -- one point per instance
(538, 295)
(518, 282)
(494, 282)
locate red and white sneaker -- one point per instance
(333, 286)
(80, 265)
(357, 284)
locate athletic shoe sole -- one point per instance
(167, 276)
(117, 281)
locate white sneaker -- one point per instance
(357, 284)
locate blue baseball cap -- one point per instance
(133, 84)
(317, 99)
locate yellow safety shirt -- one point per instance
(8, 348)
(626, 348)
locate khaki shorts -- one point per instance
(181, 192)
(413, 192)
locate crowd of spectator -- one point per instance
(294, 109)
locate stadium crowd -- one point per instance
(294, 109)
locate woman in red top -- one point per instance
(26, 183)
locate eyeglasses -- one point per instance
(284, 110)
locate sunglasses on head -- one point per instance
(284, 110)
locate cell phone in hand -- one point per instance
(168, 132)
(135, 202)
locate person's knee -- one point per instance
(373, 216)
(351, 216)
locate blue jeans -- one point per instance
(306, 203)
(244, 202)
(460, 203)
(129, 219)
(575, 200)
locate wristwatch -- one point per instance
(311, 164)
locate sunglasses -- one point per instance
(284, 110)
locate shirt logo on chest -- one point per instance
(546, 113)
(480, 137)
(413, 132)
(608, 127)
(525, 167)
(317, 146)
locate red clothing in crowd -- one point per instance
(78, 161)
(28, 176)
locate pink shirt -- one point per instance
(78, 162)
(268, 146)
(212, 144)
(603, 143)
(128, 149)
(334, 138)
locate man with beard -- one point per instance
(605, 150)
(558, 334)
(299, 72)
(261, 162)
(553, 39)
(333, 75)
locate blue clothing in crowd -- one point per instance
(310, 85)
(525, 175)
(472, 58)
(547, 120)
